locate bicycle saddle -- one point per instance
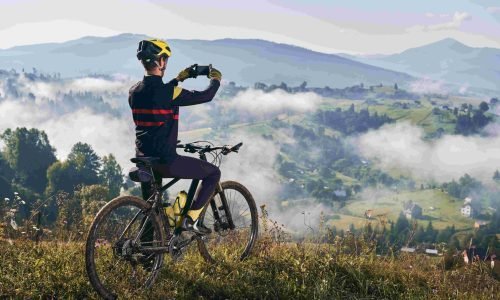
(147, 161)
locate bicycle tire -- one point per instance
(91, 246)
(202, 243)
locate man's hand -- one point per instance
(185, 74)
(215, 74)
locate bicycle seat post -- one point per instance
(156, 185)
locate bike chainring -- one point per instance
(177, 245)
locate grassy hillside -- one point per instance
(284, 271)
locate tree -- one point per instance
(483, 106)
(69, 212)
(496, 176)
(326, 172)
(61, 176)
(402, 223)
(461, 189)
(430, 233)
(6, 175)
(29, 154)
(111, 175)
(419, 236)
(86, 162)
(351, 108)
(396, 86)
(444, 235)
(91, 199)
(479, 119)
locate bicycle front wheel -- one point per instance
(120, 256)
(233, 234)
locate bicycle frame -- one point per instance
(156, 203)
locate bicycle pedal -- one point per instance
(177, 245)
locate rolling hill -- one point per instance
(242, 61)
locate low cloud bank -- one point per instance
(402, 146)
(428, 86)
(105, 133)
(259, 103)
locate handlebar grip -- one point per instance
(236, 147)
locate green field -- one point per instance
(445, 212)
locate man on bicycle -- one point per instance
(155, 110)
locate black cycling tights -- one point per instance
(188, 168)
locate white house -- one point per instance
(408, 249)
(431, 251)
(467, 211)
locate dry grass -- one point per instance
(346, 269)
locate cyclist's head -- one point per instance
(153, 55)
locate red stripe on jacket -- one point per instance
(152, 111)
(148, 124)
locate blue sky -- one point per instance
(354, 26)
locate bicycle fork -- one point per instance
(224, 207)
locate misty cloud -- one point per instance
(105, 133)
(113, 90)
(259, 103)
(428, 86)
(402, 146)
(116, 83)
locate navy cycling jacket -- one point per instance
(155, 110)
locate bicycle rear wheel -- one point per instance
(228, 242)
(118, 252)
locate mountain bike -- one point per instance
(128, 238)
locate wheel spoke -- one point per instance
(117, 248)
(239, 240)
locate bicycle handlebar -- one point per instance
(191, 148)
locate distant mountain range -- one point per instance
(248, 61)
(242, 61)
(447, 60)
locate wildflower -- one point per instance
(6, 199)
(16, 193)
(13, 224)
(22, 202)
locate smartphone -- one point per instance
(202, 70)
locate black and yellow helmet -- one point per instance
(153, 49)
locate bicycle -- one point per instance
(129, 236)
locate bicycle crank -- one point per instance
(178, 244)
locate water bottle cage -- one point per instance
(174, 211)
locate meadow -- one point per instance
(346, 268)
